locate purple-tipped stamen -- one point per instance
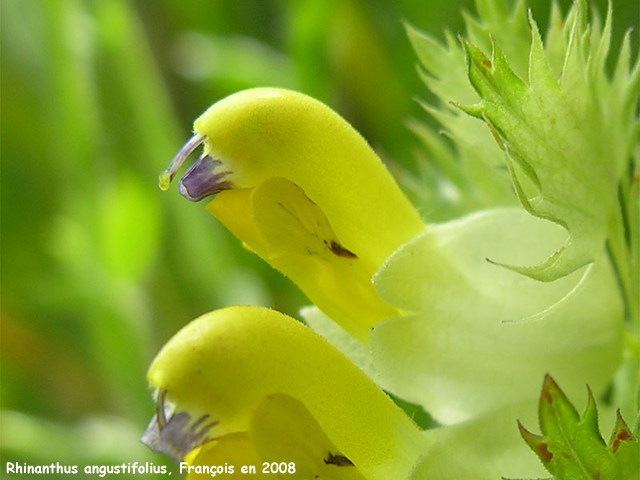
(203, 179)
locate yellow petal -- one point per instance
(286, 434)
(225, 456)
(293, 234)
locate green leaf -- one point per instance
(625, 448)
(567, 135)
(463, 169)
(571, 447)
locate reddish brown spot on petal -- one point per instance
(545, 454)
(487, 63)
(338, 460)
(339, 250)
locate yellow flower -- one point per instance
(253, 378)
(303, 190)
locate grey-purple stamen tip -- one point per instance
(203, 179)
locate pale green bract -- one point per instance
(481, 336)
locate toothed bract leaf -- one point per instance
(626, 448)
(467, 174)
(477, 336)
(567, 136)
(571, 447)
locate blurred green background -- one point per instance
(99, 267)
